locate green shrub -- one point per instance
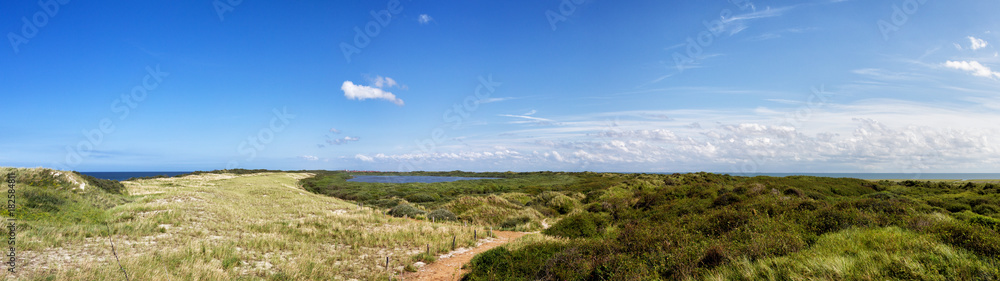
(581, 225)
(515, 221)
(725, 220)
(986, 209)
(110, 186)
(987, 222)
(956, 207)
(975, 238)
(422, 197)
(442, 214)
(405, 209)
(523, 264)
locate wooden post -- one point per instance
(453, 241)
(386, 263)
(428, 249)
(475, 236)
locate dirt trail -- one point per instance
(450, 268)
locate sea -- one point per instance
(120, 176)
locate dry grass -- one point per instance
(223, 227)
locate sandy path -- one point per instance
(450, 268)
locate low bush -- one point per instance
(405, 209)
(986, 209)
(580, 225)
(442, 214)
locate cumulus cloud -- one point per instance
(309, 157)
(334, 130)
(976, 43)
(364, 158)
(360, 92)
(424, 19)
(973, 67)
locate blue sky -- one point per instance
(734, 86)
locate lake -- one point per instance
(409, 179)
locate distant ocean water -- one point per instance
(120, 176)
(886, 176)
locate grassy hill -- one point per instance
(210, 226)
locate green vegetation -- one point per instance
(707, 226)
(513, 201)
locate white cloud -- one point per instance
(360, 92)
(973, 67)
(339, 141)
(364, 158)
(334, 130)
(977, 43)
(384, 82)
(309, 157)
(424, 19)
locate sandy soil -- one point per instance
(449, 267)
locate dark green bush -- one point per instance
(523, 264)
(442, 214)
(724, 221)
(110, 186)
(975, 238)
(43, 200)
(955, 207)
(987, 222)
(581, 225)
(422, 197)
(986, 209)
(515, 221)
(405, 209)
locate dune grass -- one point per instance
(222, 227)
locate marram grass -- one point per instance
(227, 227)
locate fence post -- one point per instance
(453, 242)
(475, 236)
